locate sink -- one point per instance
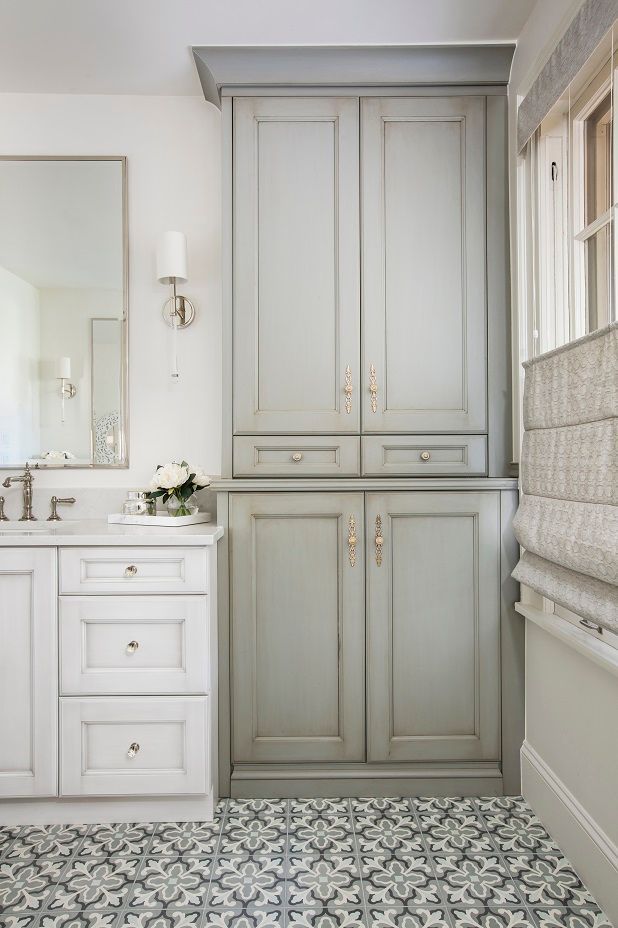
(25, 528)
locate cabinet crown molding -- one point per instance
(227, 66)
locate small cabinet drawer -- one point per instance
(121, 747)
(424, 455)
(280, 456)
(133, 570)
(134, 644)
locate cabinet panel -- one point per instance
(296, 264)
(423, 234)
(298, 631)
(424, 455)
(305, 456)
(28, 673)
(434, 627)
(133, 570)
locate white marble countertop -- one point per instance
(100, 532)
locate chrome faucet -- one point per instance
(26, 479)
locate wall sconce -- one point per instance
(178, 311)
(67, 389)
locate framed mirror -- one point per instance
(63, 312)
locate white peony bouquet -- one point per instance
(176, 484)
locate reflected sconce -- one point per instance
(67, 389)
(178, 311)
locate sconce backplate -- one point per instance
(185, 312)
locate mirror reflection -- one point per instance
(63, 312)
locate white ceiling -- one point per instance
(143, 46)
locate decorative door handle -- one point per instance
(373, 388)
(132, 647)
(352, 540)
(348, 390)
(379, 540)
(133, 750)
(130, 571)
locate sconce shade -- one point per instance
(172, 258)
(64, 369)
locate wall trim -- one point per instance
(585, 643)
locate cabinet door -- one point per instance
(296, 265)
(28, 672)
(433, 626)
(298, 628)
(423, 234)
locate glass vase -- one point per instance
(179, 507)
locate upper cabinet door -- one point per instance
(423, 252)
(296, 265)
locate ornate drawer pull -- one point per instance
(130, 571)
(348, 390)
(379, 540)
(352, 540)
(297, 457)
(133, 750)
(373, 388)
(425, 455)
(132, 647)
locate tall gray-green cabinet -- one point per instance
(367, 632)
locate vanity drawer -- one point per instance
(134, 644)
(125, 747)
(424, 455)
(302, 456)
(133, 570)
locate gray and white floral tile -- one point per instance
(390, 862)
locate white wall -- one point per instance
(19, 394)
(172, 146)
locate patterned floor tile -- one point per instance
(327, 917)
(17, 920)
(8, 833)
(326, 880)
(185, 839)
(476, 879)
(53, 841)
(248, 807)
(320, 833)
(512, 805)
(430, 805)
(25, 885)
(448, 832)
(238, 881)
(492, 917)
(119, 840)
(319, 806)
(408, 918)
(243, 918)
(379, 806)
(160, 918)
(519, 833)
(97, 883)
(171, 883)
(80, 919)
(557, 917)
(407, 880)
(548, 880)
(395, 833)
(265, 834)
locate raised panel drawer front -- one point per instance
(133, 570)
(433, 617)
(147, 745)
(296, 265)
(275, 456)
(424, 455)
(423, 253)
(298, 627)
(134, 644)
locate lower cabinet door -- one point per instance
(433, 626)
(298, 628)
(139, 746)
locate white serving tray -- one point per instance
(117, 518)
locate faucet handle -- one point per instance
(3, 518)
(55, 500)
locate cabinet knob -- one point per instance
(297, 456)
(133, 749)
(425, 455)
(132, 647)
(130, 571)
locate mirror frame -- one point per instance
(124, 365)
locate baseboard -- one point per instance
(91, 810)
(593, 854)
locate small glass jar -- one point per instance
(137, 503)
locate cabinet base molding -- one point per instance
(281, 781)
(89, 811)
(584, 842)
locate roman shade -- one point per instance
(568, 515)
(594, 19)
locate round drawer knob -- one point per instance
(133, 749)
(297, 457)
(425, 455)
(130, 571)
(132, 647)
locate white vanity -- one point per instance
(108, 685)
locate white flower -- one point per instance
(171, 475)
(200, 479)
(154, 483)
